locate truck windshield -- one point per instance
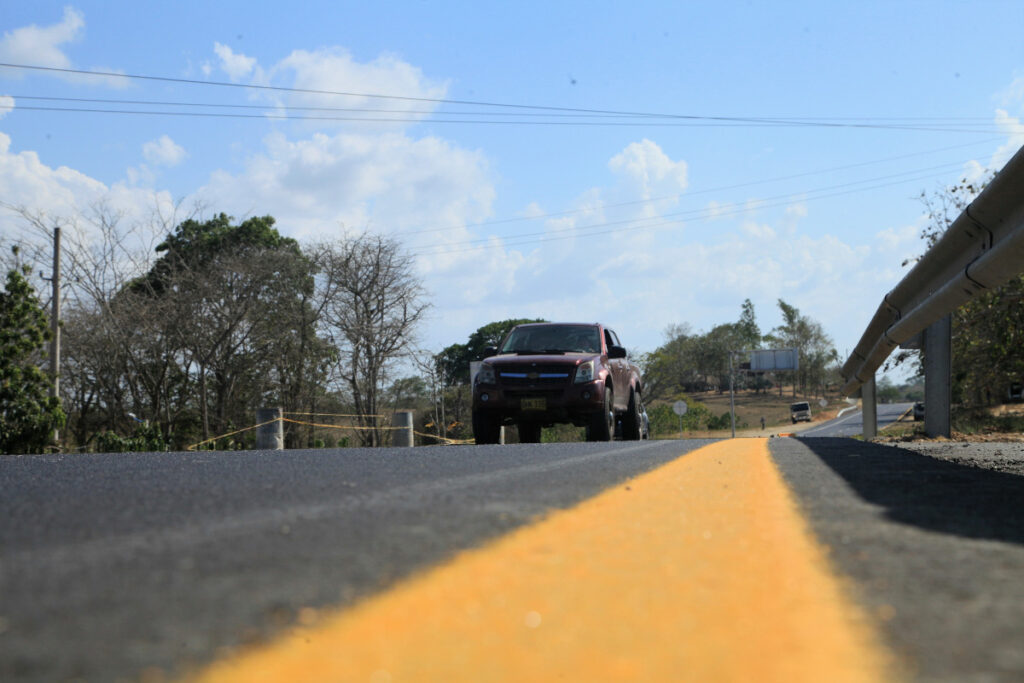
(553, 339)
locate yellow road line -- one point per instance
(701, 570)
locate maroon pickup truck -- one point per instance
(547, 373)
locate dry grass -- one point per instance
(750, 407)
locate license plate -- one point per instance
(534, 404)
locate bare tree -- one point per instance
(373, 303)
(110, 363)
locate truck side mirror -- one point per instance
(616, 352)
(490, 351)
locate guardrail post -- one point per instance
(402, 435)
(269, 437)
(938, 361)
(869, 409)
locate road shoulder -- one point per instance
(934, 546)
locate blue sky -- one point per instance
(817, 126)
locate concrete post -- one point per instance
(869, 409)
(938, 361)
(402, 434)
(269, 437)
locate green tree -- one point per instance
(239, 297)
(747, 329)
(28, 415)
(988, 331)
(453, 361)
(988, 344)
(689, 362)
(815, 349)
(197, 245)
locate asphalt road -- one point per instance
(852, 423)
(118, 566)
(115, 564)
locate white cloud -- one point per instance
(646, 172)
(1012, 95)
(900, 238)
(67, 197)
(334, 70)
(758, 231)
(6, 105)
(796, 211)
(164, 152)
(388, 183)
(236, 66)
(1011, 126)
(41, 45)
(37, 185)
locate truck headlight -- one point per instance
(485, 375)
(585, 372)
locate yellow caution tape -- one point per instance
(237, 431)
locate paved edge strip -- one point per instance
(702, 569)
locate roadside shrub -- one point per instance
(145, 438)
(664, 422)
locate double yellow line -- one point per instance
(701, 570)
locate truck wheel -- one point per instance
(529, 432)
(602, 424)
(631, 427)
(486, 428)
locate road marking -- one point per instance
(701, 570)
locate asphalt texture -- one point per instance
(932, 540)
(124, 567)
(852, 423)
(133, 566)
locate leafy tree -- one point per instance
(28, 415)
(747, 329)
(988, 342)
(453, 361)
(815, 349)
(196, 246)
(689, 362)
(235, 293)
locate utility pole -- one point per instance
(732, 397)
(55, 325)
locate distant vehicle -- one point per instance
(800, 412)
(547, 373)
(918, 411)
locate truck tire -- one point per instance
(602, 424)
(486, 428)
(631, 422)
(529, 432)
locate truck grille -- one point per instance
(535, 374)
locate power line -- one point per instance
(311, 91)
(674, 218)
(977, 120)
(675, 118)
(265, 107)
(680, 195)
(632, 124)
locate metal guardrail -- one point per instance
(982, 249)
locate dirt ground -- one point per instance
(909, 431)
